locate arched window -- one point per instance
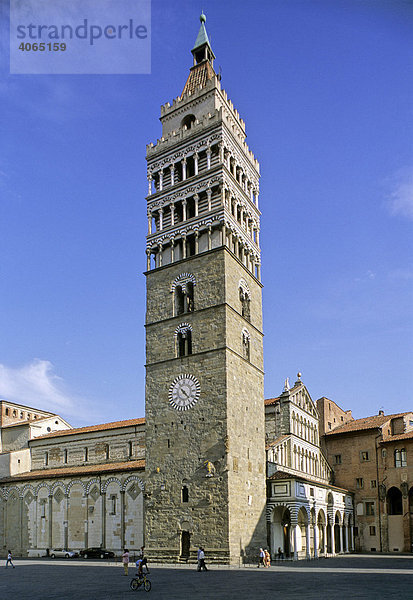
(245, 299)
(185, 494)
(188, 121)
(394, 502)
(246, 344)
(183, 293)
(183, 335)
(400, 459)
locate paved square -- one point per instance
(354, 577)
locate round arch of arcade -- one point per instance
(302, 530)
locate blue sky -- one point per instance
(326, 90)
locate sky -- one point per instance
(326, 91)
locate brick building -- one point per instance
(373, 458)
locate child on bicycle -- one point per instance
(140, 563)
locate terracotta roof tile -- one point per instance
(271, 401)
(198, 77)
(131, 465)
(366, 423)
(276, 441)
(102, 427)
(395, 438)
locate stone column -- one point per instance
(86, 540)
(172, 250)
(196, 163)
(307, 540)
(258, 272)
(256, 198)
(34, 524)
(333, 541)
(223, 229)
(50, 540)
(196, 199)
(315, 533)
(209, 196)
(184, 246)
(160, 246)
(183, 210)
(122, 518)
(149, 223)
(209, 237)
(103, 496)
(221, 152)
(345, 539)
(66, 523)
(148, 260)
(149, 185)
(172, 169)
(208, 154)
(222, 195)
(294, 525)
(258, 236)
(21, 523)
(161, 180)
(160, 219)
(341, 539)
(172, 214)
(197, 242)
(183, 169)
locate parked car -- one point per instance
(61, 553)
(96, 553)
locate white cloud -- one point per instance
(400, 199)
(37, 385)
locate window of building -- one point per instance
(245, 304)
(107, 451)
(113, 504)
(46, 458)
(329, 425)
(364, 456)
(65, 456)
(49, 429)
(183, 335)
(370, 508)
(35, 417)
(21, 414)
(183, 290)
(400, 459)
(185, 494)
(15, 413)
(43, 508)
(359, 482)
(311, 491)
(337, 459)
(7, 412)
(86, 454)
(130, 447)
(28, 415)
(373, 483)
(246, 344)
(372, 530)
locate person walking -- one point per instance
(9, 559)
(261, 558)
(267, 559)
(125, 561)
(201, 560)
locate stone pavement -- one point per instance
(355, 577)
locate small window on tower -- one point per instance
(246, 344)
(184, 341)
(188, 122)
(185, 494)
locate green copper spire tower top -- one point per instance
(202, 49)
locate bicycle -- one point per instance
(136, 583)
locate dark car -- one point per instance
(96, 553)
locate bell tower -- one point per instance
(205, 438)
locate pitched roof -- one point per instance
(364, 424)
(199, 75)
(202, 37)
(276, 441)
(102, 427)
(271, 401)
(395, 438)
(131, 465)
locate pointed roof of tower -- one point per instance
(202, 71)
(202, 34)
